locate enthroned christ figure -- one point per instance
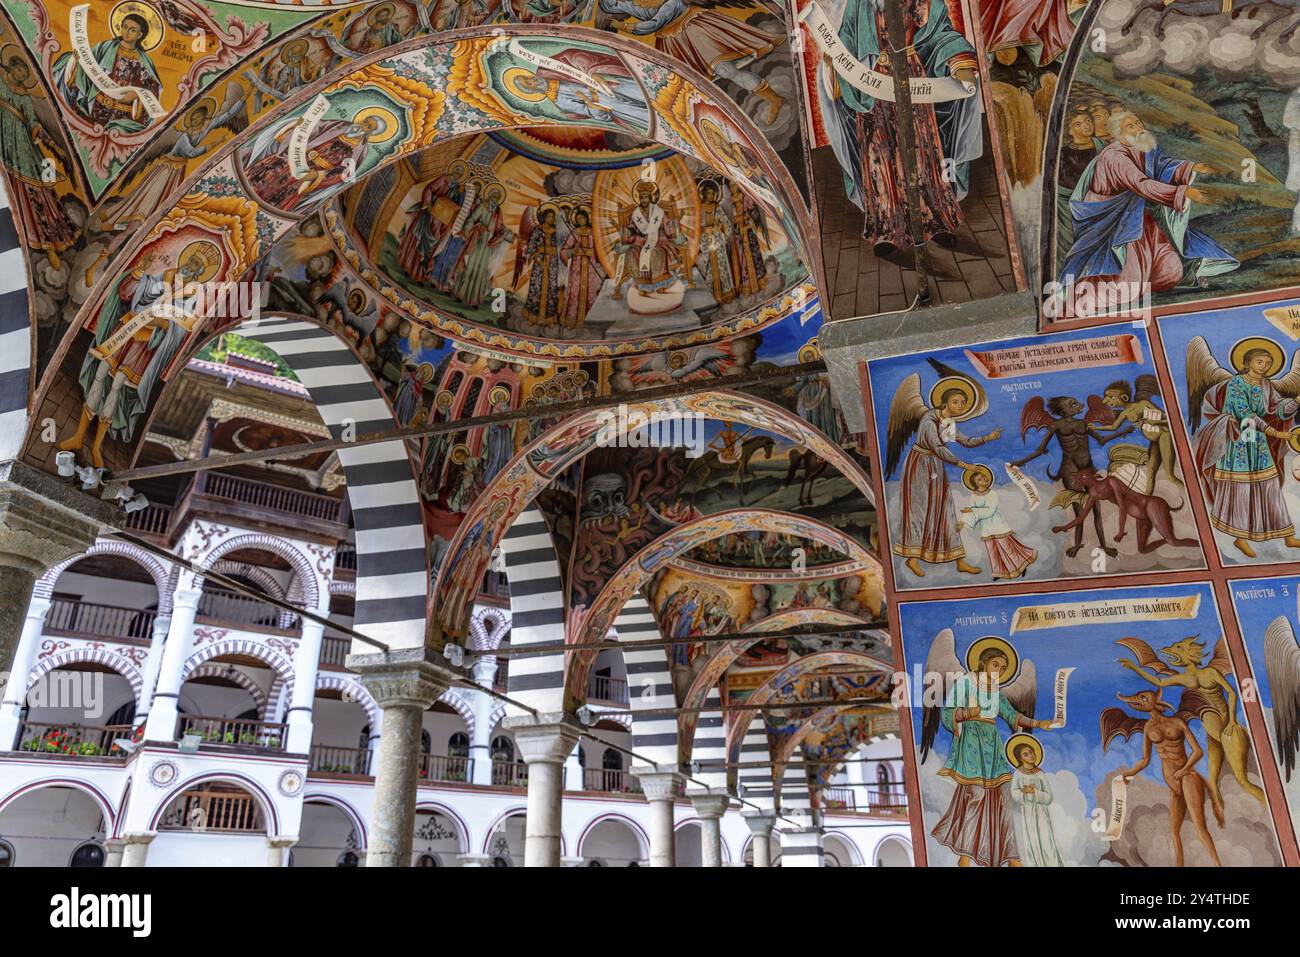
(864, 130)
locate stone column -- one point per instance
(113, 852)
(15, 691)
(135, 849)
(660, 787)
(43, 521)
(277, 850)
(760, 826)
(710, 807)
(475, 860)
(305, 661)
(152, 664)
(480, 741)
(161, 725)
(404, 684)
(544, 742)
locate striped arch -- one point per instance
(213, 670)
(16, 332)
(302, 567)
(352, 688)
(281, 684)
(453, 700)
(87, 653)
(756, 782)
(162, 578)
(709, 746)
(649, 684)
(264, 579)
(488, 628)
(536, 612)
(392, 571)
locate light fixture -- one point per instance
(90, 476)
(119, 492)
(586, 716)
(137, 503)
(454, 654)
(66, 463)
(695, 768)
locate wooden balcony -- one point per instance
(233, 732)
(607, 690)
(203, 810)
(276, 508)
(85, 619)
(509, 774)
(353, 762)
(73, 740)
(610, 781)
(334, 652)
(220, 607)
(839, 799)
(446, 767)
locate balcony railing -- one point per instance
(509, 774)
(838, 799)
(152, 520)
(269, 735)
(331, 760)
(91, 740)
(274, 498)
(890, 800)
(84, 619)
(605, 688)
(610, 781)
(446, 767)
(345, 557)
(231, 608)
(201, 811)
(334, 652)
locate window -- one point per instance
(426, 860)
(503, 750)
(458, 745)
(6, 854)
(89, 854)
(611, 760)
(348, 859)
(500, 862)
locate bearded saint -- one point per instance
(1131, 209)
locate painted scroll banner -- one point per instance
(1062, 684)
(925, 89)
(1025, 484)
(539, 61)
(1118, 804)
(77, 28)
(301, 136)
(1106, 611)
(1061, 356)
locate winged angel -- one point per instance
(1282, 665)
(1243, 421)
(928, 530)
(994, 684)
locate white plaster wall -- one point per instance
(188, 849)
(45, 826)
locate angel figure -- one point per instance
(714, 260)
(977, 826)
(1207, 695)
(584, 275)
(1240, 448)
(748, 237)
(538, 250)
(928, 530)
(1282, 665)
(161, 172)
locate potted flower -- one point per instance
(191, 738)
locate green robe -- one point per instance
(978, 753)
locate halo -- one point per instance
(1017, 741)
(544, 207)
(7, 53)
(300, 44)
(963, 385)
(642, 185)
(1237, 356)
(357, 296)
(444, 400)
(208, 102)
(425, 371)
(511, 79)
(495, 189)
(992, 641)
(498, 395)
(676, 360)
(708, 182)
(1293, 439)
(145, 12)
(390, 7)
(209, 252)
(386, 116)
(459, 453)
(968, 476)
(457, 168)
(809, 353)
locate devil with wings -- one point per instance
(994, 684)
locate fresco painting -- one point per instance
(1030, 459)
(1055, 736)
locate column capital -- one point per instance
(44, 520)
(658, 783)
(136, 838)
(402, 678)
(760, 822)
(281, 842)
(709, 806)
(546, 738)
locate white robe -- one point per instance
(1033, 820)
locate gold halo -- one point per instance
(459, 453)
(543, 208)
(644, 185)
(373, 14)
(1238, 355)
(208, 251)
(299, 44)
(144, 11)
(1017, 741)
(963, 385)
(498, 395)
(425, 371)
(810, 352)
(7, 54)
(208, 102)
(511, 77)
(457, 168)
(444, 400)
(676, 360)
(388, 117)
(992, 641)
(708, 182)
(495, 189)
(357, 296)
(968, 476)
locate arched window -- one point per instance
(6, 854)
(123, 715)
(89, 854)
(503, 750)
(458, 745)
(426, 860)
(500, 862)
(882, 773)
(611, 760)
(426, 743)
(348, 859)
